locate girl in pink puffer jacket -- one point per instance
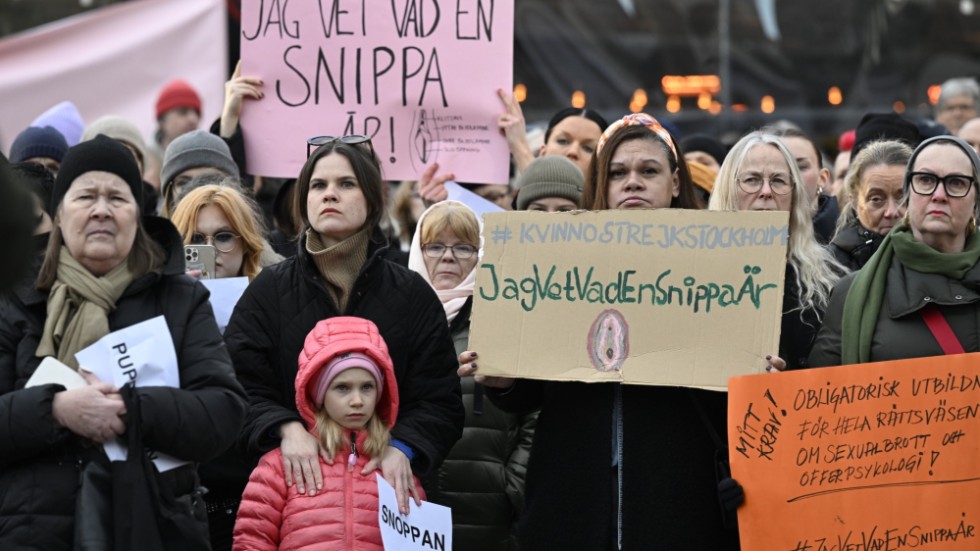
(347, 394)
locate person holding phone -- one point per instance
(339, 270)
(105, 269)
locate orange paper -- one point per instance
(871, 457)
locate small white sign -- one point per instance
(426, 527)
(225, 293)
(51, 371)
(479, 205)
(142, 354)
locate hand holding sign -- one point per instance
(397, 470)
(236, 90)
(428, 526)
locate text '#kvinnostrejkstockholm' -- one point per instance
(664, 236)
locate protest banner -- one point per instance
(113, 61)
(880, 456)
(656, 297)
(419, 77)
(428, 526)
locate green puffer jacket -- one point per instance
(900, 332)
(482, 478)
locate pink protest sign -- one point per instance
(417, 76)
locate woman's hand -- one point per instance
(467, 368)
(236, 90)
(95, 411)
(775, 363)
(512, 126)
(432, 188)
(397, 470)
(300, 458)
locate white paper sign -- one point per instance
(225, 293)
(426, 527)
(51, 371)
(142, 354)
(479, 205)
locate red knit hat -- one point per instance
(177, 93)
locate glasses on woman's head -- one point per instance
(461, 251)
(223, 241)
(752, 183)
(355, 139)
(955, 185)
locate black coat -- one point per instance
(668, 489)
(41, 461)
(854, 245)
(825, 218)
(280, 307)
(798, 328)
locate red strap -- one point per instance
(941, 330)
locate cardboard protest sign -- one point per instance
(427, 527)
(420, 77)
(656, 297)
(872, 456)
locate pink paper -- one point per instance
(418, 76)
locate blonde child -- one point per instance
(347, 394)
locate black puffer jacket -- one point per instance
(280, 307)
(854, 245)
(40, 461)
(482, 479)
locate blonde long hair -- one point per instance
(333, 437)
(816, 269)
(239, 212)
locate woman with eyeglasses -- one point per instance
(919, 295)
(617, 466)
(222, 217)
(760, 174)
(339, 271)
(482, 479)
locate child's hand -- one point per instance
(397, 470)
(300, 458)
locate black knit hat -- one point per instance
(884, 126)
(99, 154)
(705, 143)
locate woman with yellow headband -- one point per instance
(618, 466)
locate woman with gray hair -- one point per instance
(924, 275)
(875, 204)
(761, 174)
(105, 269)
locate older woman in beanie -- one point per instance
(105, 269)
(550, 184)
(126, 133)
(339, 270)
(925, 274)
(617, 466)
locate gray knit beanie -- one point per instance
(195, 149)
(952, 140)
(550, 176)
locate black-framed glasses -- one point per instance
(752, 183)
(956, 185)
(354, 139)
(461, 251)
(223, 241)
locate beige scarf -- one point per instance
(340, 263)
(78, 307)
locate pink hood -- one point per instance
(340, 335)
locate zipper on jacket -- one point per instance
(352, 458)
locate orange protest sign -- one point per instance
(872, 457)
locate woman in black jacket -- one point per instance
(104, 270)
(339, 270)
(875, 201)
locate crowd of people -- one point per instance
(348, 353)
